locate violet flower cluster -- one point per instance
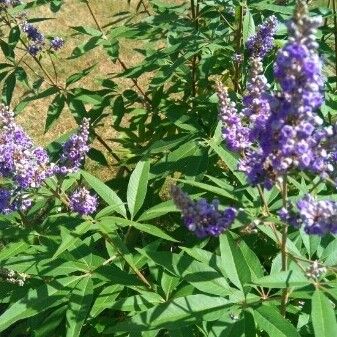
(37, 40)
(285, 132)
(242, 130)
(234, 132)
(82, 202)
(262, 42)
(316, 216)
(200, 217)
(74, 150)
(24, 166)
(4, 4)
(20, 160)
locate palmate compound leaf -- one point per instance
(38, 300)
(179, 312)
(200, 275)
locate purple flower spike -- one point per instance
(33, 33)
(256, 101)
(285, 129)
(201, 217)
(20, 160)
(82, 202)
(262, 42)
(74, 150)
(234, 133)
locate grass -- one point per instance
(60, 23)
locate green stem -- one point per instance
(284, 254)
(54, 67)
(335, 32)
(238, 40)
(146, 100)
(63, 198)
(120, 253)
(145, 8)
(195, 14)
(108, 148)
(263, 199)
(44, 70)
(94, 16)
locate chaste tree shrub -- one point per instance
(239, 113)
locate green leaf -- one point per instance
(237, 269)
(50, 323)
(105, 192)
(69, 238)
(271, 321)
(8, 88)
(283, 279)
(177, 313)
(54, 111)
(213, 189)
(80, 300)
(78, 76)
(112, 274)
(158, 210)
(141, 302)
(13, 249)
(105, 299)
(231, 161)
(248, 28)
(137, 187)
(323, 315)
(153, 230)
(200, 275)
(37, 300)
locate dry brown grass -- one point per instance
(75, 13)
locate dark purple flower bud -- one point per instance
(33, 49)
(201, 217)
(82, 202)
(5, 201)
(56, 43)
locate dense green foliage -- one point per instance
(132, 269)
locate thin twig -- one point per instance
(238, 39)
(263, 199)
(335, 32)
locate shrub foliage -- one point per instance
(80, 256)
